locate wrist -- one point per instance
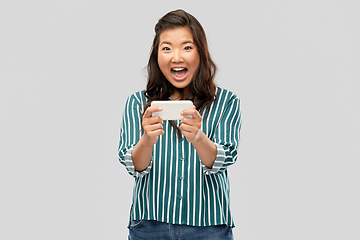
(199, 138)
(146, 142)
(206, 150)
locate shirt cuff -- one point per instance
(218, 163)
(131, 168)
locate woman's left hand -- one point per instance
(191, 127)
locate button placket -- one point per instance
(181, 166)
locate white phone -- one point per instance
(172, 109)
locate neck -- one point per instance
(182, 94)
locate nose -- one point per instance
(177, 57)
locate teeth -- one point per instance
(178, 69)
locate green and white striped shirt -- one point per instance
(177, 187)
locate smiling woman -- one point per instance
(189, 52)
(180, 168)
(178, 58)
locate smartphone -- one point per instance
(172, 109)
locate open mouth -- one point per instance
(179, 74)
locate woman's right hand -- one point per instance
(152, 126)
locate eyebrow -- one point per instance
(186, 42)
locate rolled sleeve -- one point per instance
(218, 163)
(129, 165)
(226, 138)
(130, 134)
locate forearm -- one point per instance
(206, 150)
(141, 155)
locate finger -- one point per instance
(151, 127)
(155, 133)
(191, 122)
(192, 112)
(150, 110)
(154, 130)
(189, 128)
(152, 120)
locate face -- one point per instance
(178, 57)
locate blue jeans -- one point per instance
(145, 229)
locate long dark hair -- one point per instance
(202, 87)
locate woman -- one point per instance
(180, 167)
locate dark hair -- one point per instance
(202, 87)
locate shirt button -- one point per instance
(181, 178)
(182, 159)
(180, 197)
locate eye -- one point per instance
(166, 49)
(187, 48)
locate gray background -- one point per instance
(67, 67)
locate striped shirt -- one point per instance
(177, 187)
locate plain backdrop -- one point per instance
(67, 67)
